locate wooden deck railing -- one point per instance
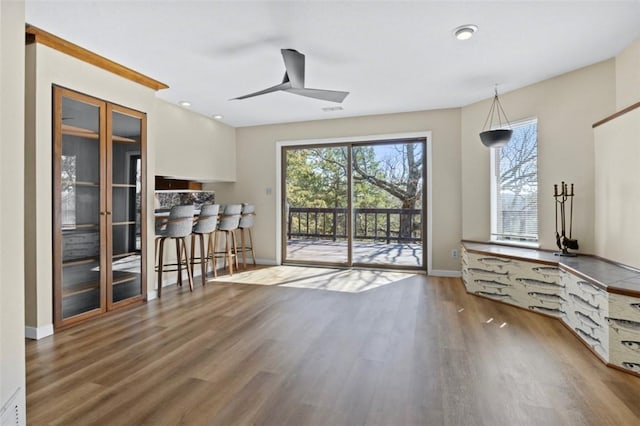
(397, 225)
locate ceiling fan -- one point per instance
(293, 81)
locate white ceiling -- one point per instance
(393, 56)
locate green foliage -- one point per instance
(384, 176)
(387, 176)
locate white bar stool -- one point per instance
(205, 225)
(177, 227)
(229, 221)
(246, 223)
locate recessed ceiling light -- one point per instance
(185, 103)
(217, 116)
(465, 32)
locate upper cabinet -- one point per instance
(99, 208)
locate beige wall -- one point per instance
(617, 155)
(192, 146)
(617, 190)
(256, 171)
(628, 76)
(12, 356)
(566, 107)
(185, 144)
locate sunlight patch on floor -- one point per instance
(343, 280)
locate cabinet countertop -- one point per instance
(614, 277)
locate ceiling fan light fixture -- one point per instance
(465, 32)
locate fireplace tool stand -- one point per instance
(564, 243)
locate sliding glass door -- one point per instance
(356, 204)
(316, 204)
(387, 204)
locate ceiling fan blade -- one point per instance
(277, 87)
(294, 63)
(293, 81)
(326, 95)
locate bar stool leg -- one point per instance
(243, 249)
(156, 246)
(214, 258)
(253, 256)
(235, 248)
(178, 261)
(227, 247)
(186, 259)
(203, 260)
(160, 256)
(209, 251)
(193, 254)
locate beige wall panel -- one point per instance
(256, 168)
(566, 107)
(192, 146)
(617, 189)
(628, 76)
(12, 366)
(30, 216)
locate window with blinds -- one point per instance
(515, 186)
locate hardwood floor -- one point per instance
(419, 351)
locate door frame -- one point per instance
(427, 242)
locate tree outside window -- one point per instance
(515, 186)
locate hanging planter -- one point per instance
(500, 136)
(496, 138)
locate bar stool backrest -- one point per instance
(248, 216)
(231, 218)
(207, 220)
(180, 221)
(232, 209)
(248, 208)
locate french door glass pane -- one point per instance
(387, 204)
(316, 205)
(80, 207)
(126, 207)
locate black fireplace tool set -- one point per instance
(564, 243)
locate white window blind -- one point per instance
(515, 186)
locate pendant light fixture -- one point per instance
(500, 135)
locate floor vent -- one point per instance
(10, 413)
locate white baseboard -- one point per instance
(37, 333)
(152, 294)
(445, 273)
(270, 262)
